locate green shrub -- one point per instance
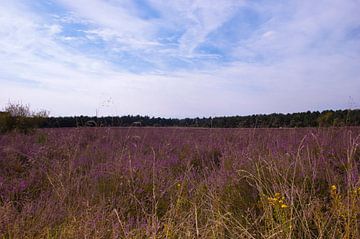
(6, 123)
(20, 118)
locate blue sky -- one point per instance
(180, 58)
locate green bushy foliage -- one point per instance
(20, 118)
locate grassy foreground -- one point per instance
(180, 183)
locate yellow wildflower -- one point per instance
(272, 201)
(284, 206)
(333, 187)
(277, 195)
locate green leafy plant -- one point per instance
(19, 117)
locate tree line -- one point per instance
(276, 120)
(20, 118)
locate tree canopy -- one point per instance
(275, 120)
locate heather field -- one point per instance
(180, 183)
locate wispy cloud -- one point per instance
(180, 58)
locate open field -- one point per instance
(180, 183)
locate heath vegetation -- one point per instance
(180, 183)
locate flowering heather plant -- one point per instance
(180, 183)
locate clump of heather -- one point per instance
(180, 183)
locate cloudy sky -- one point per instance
(180, 58)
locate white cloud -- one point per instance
(111, 21)
(198, 18)
(269, 34)
(306, 26)
(54, 29)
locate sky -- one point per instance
(180, 58)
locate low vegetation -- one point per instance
(20, 118)
(180, 183)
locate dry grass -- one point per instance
(180, 183)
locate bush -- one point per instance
(5, 122)
(20, 118)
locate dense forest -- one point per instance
(276, 120)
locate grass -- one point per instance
(180, 183)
